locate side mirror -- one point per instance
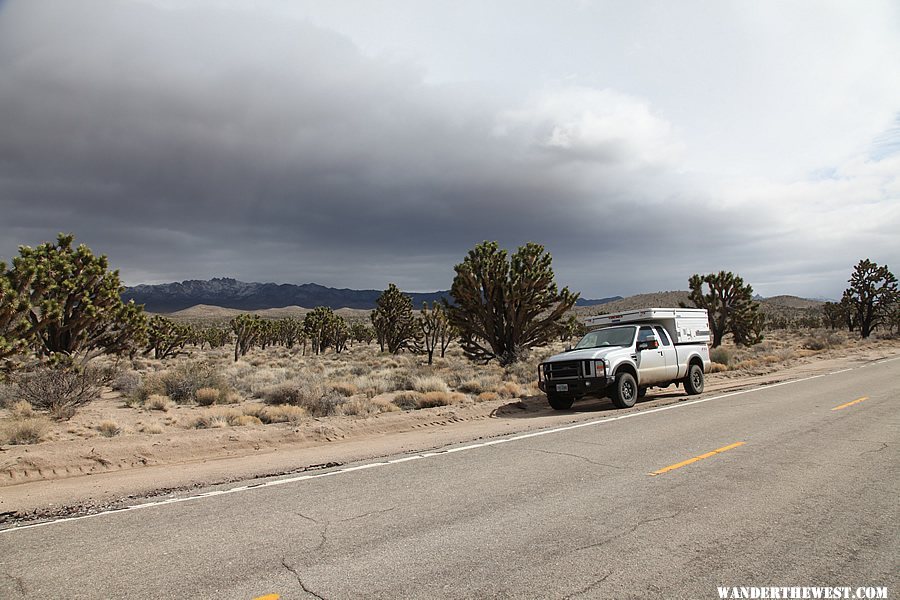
(650, 343)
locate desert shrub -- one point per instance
(21, 410)
(59, 390)
(295, 392)
(127, 382)
(429, 383)
(720, 355)
(367, 406)
(181, 383)
(407, 400)
(344, 388)
(508, 389)
(207, 396)
(158, 402)
(521, 372)
(487, 397)
(152, 428)
(472, 386)
(324, 406)
(109, 428)
(24, 432)
(243, 420)
(716, 368)
(823, 341)
(434, 399)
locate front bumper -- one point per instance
(582, 386)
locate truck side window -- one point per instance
(661, 334)
(644, 334)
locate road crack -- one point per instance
(285, 564)
(19, 583)
(627, 532)
(588, 588)
(584, 458)
(368, 514)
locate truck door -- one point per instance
(651, 361)
(669, 352)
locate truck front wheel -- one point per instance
(693, 383)
(625, 393)
(560, 402)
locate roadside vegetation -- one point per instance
(77, 362)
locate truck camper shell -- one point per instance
(684, 325)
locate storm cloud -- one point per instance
(192, 140)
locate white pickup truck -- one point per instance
(629, 353)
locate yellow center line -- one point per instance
(851, 403)
(689, 461)
(268, 597)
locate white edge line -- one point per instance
(523, 436)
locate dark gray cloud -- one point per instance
(200, 142)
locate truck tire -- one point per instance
(642, 391)
(560, 402)
(626, 391)
(693, 383)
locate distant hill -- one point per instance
(230, 293)
(596, 301)
(785, 306)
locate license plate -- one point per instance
(562, 387)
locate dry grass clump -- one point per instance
(717, 368)
(182, 383)
(25, 431)
(429, 383)
(244, 420)
(368, 406)
(508, 389)
(127, 382)
(824, 341)
(109, 428)
(411, 400)
(407, 400)
(314, 397)
(344, 388)
(487, 397)
(522, 371)
(207, 396)
(152, 428)
(720, 355)
(158, 402)
(21, 410)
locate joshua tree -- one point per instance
(75, 305)
(871, 295)
(15, 327)
(434, 327)
(730, 305)
(166, 337)
(247, 329)
(393, 320)
(505, 305)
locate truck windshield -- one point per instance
(614, 336)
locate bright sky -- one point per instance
(356, 143)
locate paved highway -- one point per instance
(789, 485)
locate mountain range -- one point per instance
(231, 293)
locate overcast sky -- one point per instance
(356, 143)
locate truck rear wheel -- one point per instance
(560, 402)
(693, 383)
(625, 393)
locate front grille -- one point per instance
(562, 370)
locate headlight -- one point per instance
(599, 368)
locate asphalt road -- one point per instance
(800, 495)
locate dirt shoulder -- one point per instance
(85, 475)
